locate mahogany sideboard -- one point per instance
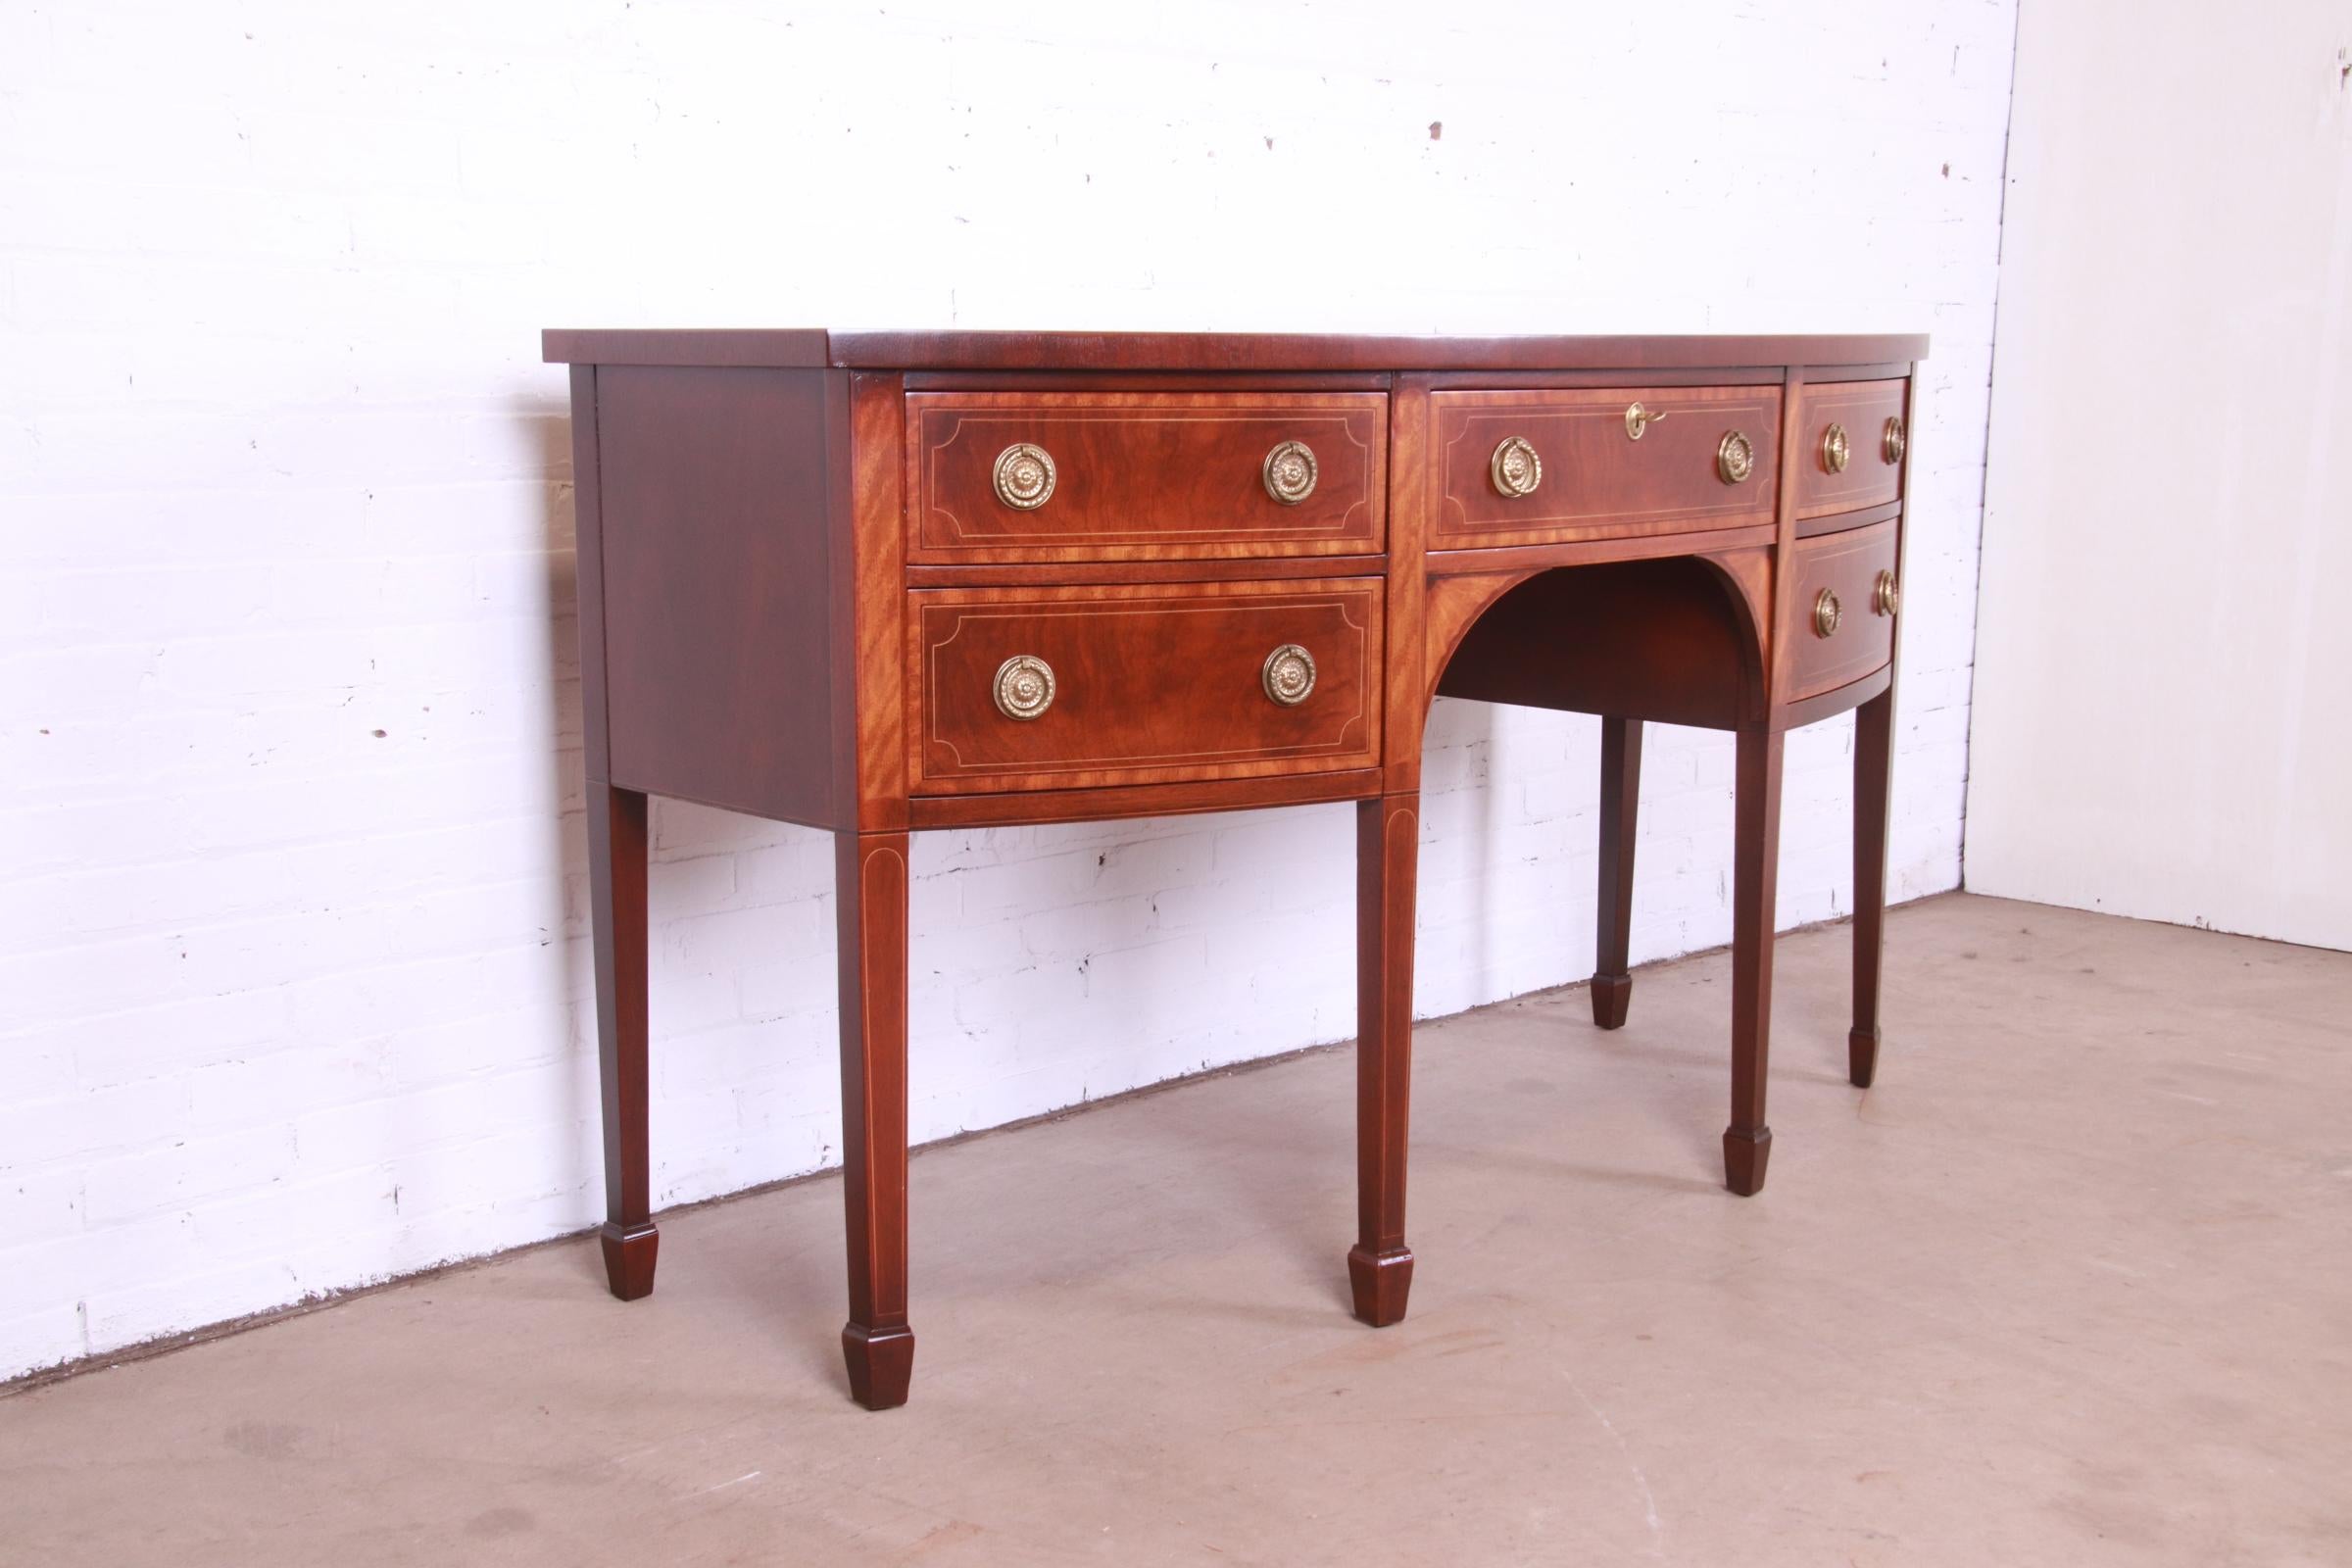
(877, 582)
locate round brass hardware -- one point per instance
(1735, 458)
(1638, 419)
(1827, 613)
(1290, 472)
(1289, 674)
(1024, 476)
(1024, 686)
(1890, 445)
(1834, 449)
(1884, 595)
(1515, 468)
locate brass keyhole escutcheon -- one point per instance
(1515, 468)
(1735, 458)
(1024, 476)
(1638, 419)
(1024, 687)
(1890, 444)
(1827, 613)
(1834, 449)
(1885, 597)
(1289, 675)
(1289, 472)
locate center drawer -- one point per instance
(1007, 476)
(1535, 468)
(1063, 688)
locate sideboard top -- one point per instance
(816, 348)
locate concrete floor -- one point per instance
(2072, 1285)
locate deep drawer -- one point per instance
(1139, 475)
(1843, 620)
(1525, 468)
(1850, 439)
(1061, 688)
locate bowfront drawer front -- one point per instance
(1841, 625)
(1850, 439)
(1139, 475)
(1061, 688)
(1527, 468)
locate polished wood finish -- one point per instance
(871, 745)
(588, 565)
(1388, 844)
(869, 890)
(1846, 564)
(772, 348)
(1755, 884)
(1228, 353)
(616, 878)
(1144, 475)
(1663, 639)
(1114, 803)
(1597, 481)
(1874, 790)
(1861, 409)
(721, 479)
(1708, 543)
(1620, 799)
(1407, 674)
(1151, 684)
(1146, 381)
(1841, 522)
(1874, 782)
(1811, 709)
(617, 867)
(1078, 574)
(795, 596)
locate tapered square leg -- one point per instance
(1388, 847)
(871, 897)
(1620, 797)
(1874, 782)
(616, 855)
(1755, 878)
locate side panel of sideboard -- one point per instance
(714, 516)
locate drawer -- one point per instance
(1841, 626)
(1061, 688)
(1142, 475)
(1527, 467)
(1849, 446)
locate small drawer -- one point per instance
(1529, 467)
(1849, 445)
(1842, 621)
(1063, 688)
(996, 477)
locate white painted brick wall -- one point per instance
(292, 957)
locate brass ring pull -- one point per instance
(1827, 613)
(1289, 472)
(1024, 476)
(1735, 458)
(1638, 419)
(1289, 675)
(1884, 595)
(1890, 444)
(1024, 687)
(1515, 468)
(1834, 449)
